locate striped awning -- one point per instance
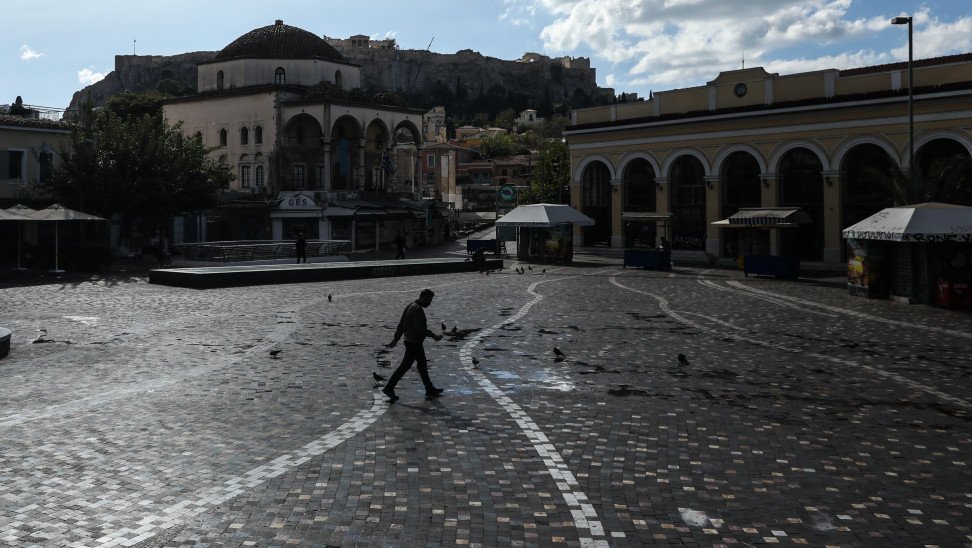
(770, 217)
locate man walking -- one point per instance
(400, 245)
(301, 246)
(414, 327)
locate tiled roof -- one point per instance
(930, 62)
(279, 41)
(40, 123)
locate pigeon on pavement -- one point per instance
(682, 359)
(330, 297)
(558, 352)
(273, 353)
(378, 378)
(475, 361)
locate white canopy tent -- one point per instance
(544, 216)
(57, 213)
(19, 213)
(927, 222)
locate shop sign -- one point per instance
(507, 193)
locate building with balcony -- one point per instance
(817, 140)
(285, 113)
(29, 150)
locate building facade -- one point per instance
(821, 141)
(284, 110)
(29, 150)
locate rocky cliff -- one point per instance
(464, 82)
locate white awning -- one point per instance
(765, 217)
(645, 216)
(544, 215)
(928, 222)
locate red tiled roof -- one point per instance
(40, 123)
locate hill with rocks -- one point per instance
(465, 82)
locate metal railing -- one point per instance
(258, 250)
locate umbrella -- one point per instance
(57, 213)
(18, 212)
(928, 222)
(544, 215)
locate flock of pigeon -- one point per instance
(559, 355)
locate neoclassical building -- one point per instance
(816, 140)
(284, 109)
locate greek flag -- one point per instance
(387, 165)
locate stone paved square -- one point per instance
(143, 415)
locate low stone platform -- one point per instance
(229, 276)
(4, 342)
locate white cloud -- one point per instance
(679, 43)
(88, 76)
(28, 54)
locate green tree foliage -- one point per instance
(506, 118)
(126, 160)
(550, 176)
(501, 145)
(947, 180)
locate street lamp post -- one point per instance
(911, 87)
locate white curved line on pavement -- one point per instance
(583, 512)
(848, 312)
(165, 517)
(663, 304)
(776, 301)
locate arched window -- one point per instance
(244, 136)
(596, 202)
(259, 176)
(222, 137)
(687, 184)
(338, 79)
(801, 185)
(741, 188)
(219, 80)
(258, 135)
(280, 76)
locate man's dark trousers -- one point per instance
(414, 352)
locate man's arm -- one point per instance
(400, 330)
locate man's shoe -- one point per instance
(392, 398)
(433, 392)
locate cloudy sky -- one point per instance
(50, 50)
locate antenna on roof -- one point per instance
(133, 45)
(744, 59)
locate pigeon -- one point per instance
(330, 297)
(544, 271)
(682, 359)
(378, 378)
(273, 353)
(488, 271)
(530, 267)
(558, 353)
(454, 330)
(475, 361)
(443, 327)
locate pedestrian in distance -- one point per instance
(400, 245)
(414, 328)
(479, 258)
(301, 246)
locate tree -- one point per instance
(506, 118)
(550, 177)
(127, 160)
(947, 180)
(500, 145)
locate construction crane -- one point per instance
(421, 62)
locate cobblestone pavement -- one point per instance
(134, 414)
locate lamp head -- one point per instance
(900, 20)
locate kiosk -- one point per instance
(767, 218)
(544, 231)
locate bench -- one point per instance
(488, 246)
